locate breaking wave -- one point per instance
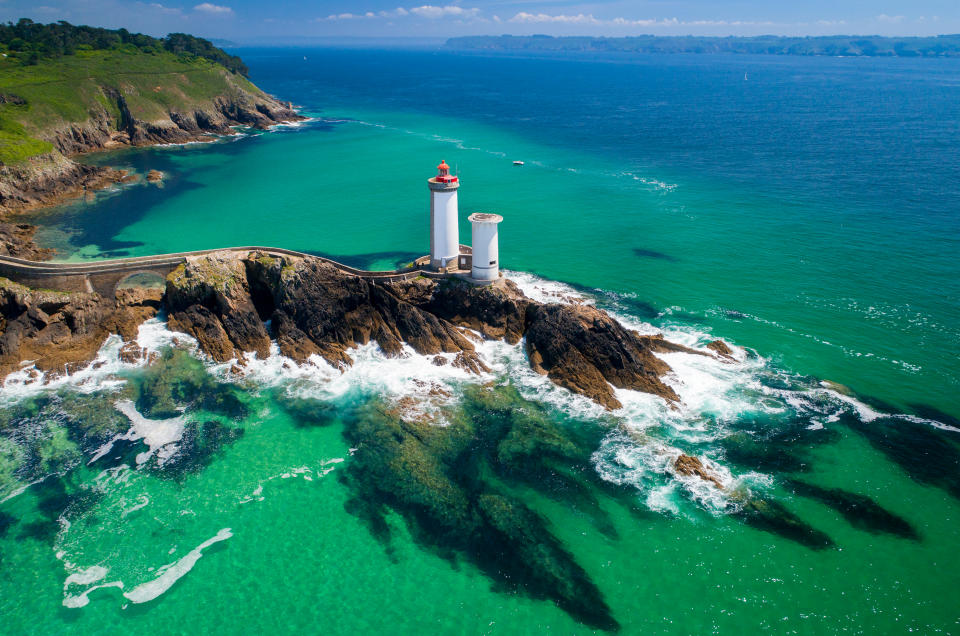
(646, 436)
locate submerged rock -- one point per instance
(861, 511)
(771, 516)
(177, 382)
(197, 448)
(929, 455)
(17, 240)
(449, 482)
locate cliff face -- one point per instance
(126, 114)
(61, 332)
(314, 308)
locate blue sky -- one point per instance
(250, 19)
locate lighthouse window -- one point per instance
(493, 262)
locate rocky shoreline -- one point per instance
(55, 177)
(234, 304)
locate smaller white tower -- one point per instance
(444, 222)
(486, 248)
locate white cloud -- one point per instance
(580, 18)
(451, 10)
(892, 19)
(163, 9)
(213, 9)
(426, 11)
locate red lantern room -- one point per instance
(443, 173)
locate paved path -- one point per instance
(104, 276)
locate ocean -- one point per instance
(804, 210)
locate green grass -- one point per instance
(65, 91)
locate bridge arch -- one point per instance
(147, 278)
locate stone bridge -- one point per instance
(103, 277)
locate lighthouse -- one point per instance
(444, 221)
(486, 248)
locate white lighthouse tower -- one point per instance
(444, 221)
(486, 248)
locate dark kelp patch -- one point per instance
(177, 381)
(92, 420)
(307, 412)
(57, 498)
(7, 521)
(772, 516)
(524, 446)
(929, 455)
(859, 510)
(198, 447)
(775, 446)
(641, 252)
(444, 482)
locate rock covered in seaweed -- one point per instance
(448, 484)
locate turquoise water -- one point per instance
(807, 215)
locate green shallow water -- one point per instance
(854, 286)
(296, 562)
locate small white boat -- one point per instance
(518, 163)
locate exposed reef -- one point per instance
(17, 240)
(61, 333)
(314, 308)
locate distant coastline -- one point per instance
(830, 45)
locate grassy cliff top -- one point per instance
(53, 94)
(45, 89)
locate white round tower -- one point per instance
(444, 221)
(486, 248)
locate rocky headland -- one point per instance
(313, 307)
(236, 303)
(55, 176)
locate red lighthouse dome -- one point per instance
(444, 175)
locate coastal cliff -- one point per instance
(53, 176)
(315, 308)
(136, 92)
(239, 303)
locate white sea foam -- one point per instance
(87, 576)
(304, 472)
(173, 572)
(103, 373)
(160, 436)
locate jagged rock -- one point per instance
(155, 176)
(692, 466)
(585, 350)
(720, 347)
(317, 309)
(50, 179)
(62, 332)
(722, 350)
(132, 353)
(17, 240)
(208, 298)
